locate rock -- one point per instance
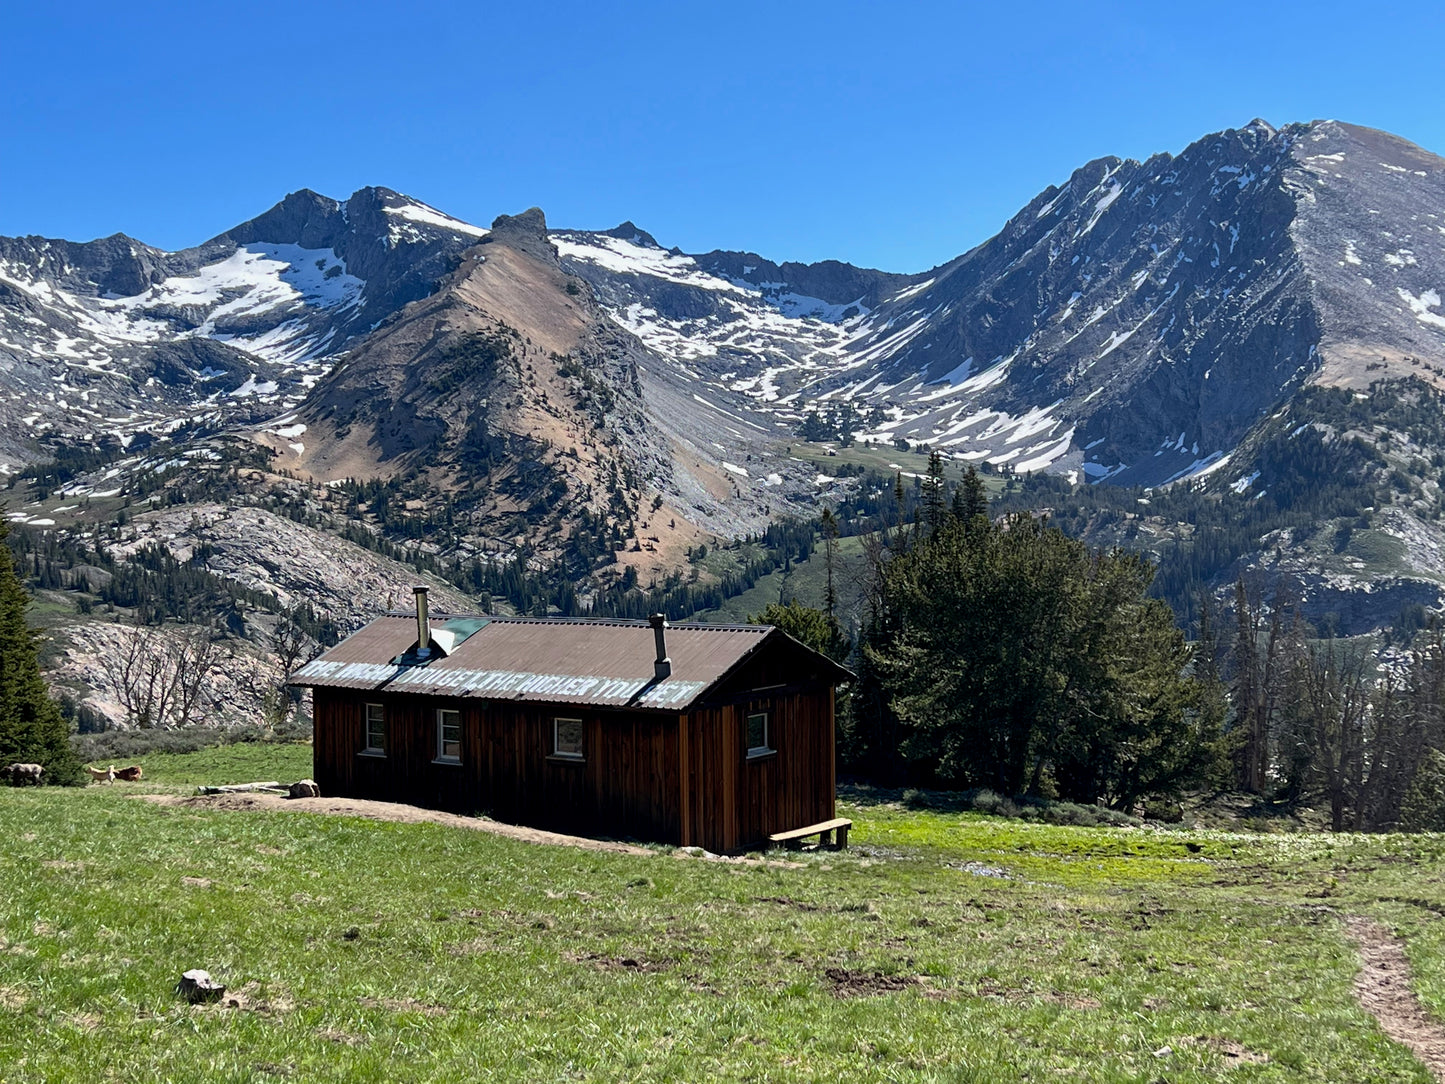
(306, 788)
(24, 774)
(526, 232)
(197, 986)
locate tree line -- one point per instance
(1001, 653)
(1338, 722)
(996, 651)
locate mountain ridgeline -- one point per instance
(1230, 358)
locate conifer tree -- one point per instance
(1014, 658)
(933, 493)
(32, 730)
(970, 498)
(830, 557)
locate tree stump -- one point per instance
(197, 986)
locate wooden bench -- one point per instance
(794, 840)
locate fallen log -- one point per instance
(241, 788)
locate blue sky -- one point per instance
(895, 136)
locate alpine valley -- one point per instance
(1232, 358)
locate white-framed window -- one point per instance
(375, 740)
(760, 734)
(449, 735)
(567, 738)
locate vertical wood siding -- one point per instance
(627, 784)
(736, 802)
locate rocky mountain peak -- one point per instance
(303, 218)
(526, 232)
(629, 232)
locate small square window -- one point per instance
(449, 735)
(567, 738)
(760, 738)
(375, 730)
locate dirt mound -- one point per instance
(849, 984)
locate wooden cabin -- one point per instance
(717, 736)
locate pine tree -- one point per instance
(969, 497)
(1014, 658)
(32, 730)
(830, 557)
(933, 493)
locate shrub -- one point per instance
(1019, 807)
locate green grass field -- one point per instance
(805, 581)
(941, 946)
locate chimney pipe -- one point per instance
(423, 623)
(662, 665)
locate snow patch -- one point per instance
(1421, 306)
(1243, 482)
(430, 216)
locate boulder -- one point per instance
(24, 774)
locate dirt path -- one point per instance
(1383, 987)
(388, 811)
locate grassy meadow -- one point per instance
(940, 947)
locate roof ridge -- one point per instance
(590, 622)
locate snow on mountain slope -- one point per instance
(1130, 325)
(226, 301)
(419, 217)
(726, 326)
(790, 353)
(115, 337)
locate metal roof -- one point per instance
(550, 660)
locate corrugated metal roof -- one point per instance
(554, 660)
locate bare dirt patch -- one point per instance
(477, 946)
(600, 962)
(1071, 1001)
(1383, 987)
(248, 998)
(1231, 1051)
(12, 997)
(344, 1038)
(84, 1021)
(787, 901)
(850, 984)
